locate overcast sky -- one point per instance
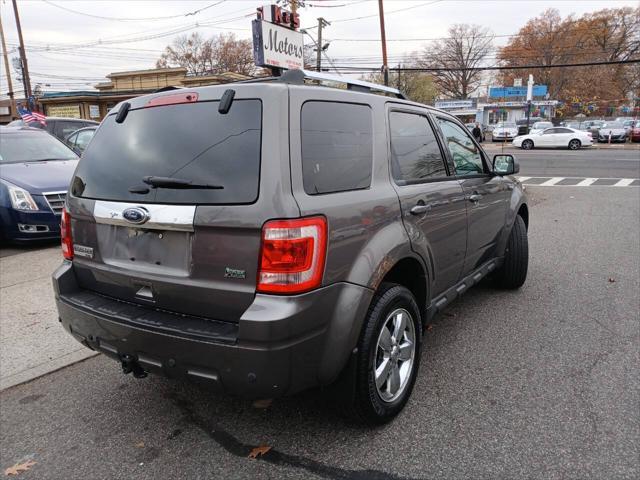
(72, 45)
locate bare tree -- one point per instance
(466, 47)
(201, 56)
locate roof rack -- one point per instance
(299, 76)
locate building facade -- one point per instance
(94, 104)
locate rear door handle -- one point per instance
(420, 209)
(475, 197)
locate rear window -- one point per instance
(337, 147)
(191, 142)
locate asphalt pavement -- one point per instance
(623, 161)
(537, 383)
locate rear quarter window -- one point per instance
(337, 146)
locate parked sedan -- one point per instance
(60, 127)
(79, 139)
(505, 131)
(540, 127)
(635, 132)
(612, 132)
(35, 172)
(556, 137)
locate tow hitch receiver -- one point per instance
(130, 365)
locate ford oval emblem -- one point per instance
(137, 215)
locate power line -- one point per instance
(386, 13)
(121, 19)
(516, 67)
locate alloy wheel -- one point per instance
(574, 145)
(395, 355)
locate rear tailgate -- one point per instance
(196, 250)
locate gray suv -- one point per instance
(274, 236)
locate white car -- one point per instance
(556, 137)
(540, 127)
(504, 131)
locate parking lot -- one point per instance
(536, 383)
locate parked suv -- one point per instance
(274, 236)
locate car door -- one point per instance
(546, 138)
(82, 139)
(562, 137)
(486, 194)
(71, 140)
(431, 198)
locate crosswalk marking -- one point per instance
(578, 182)
(624, 182)
(552, 181)
(586, 182)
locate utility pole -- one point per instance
(14, 110)
(383, 37)
(23, 55)
(321, 23)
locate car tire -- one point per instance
(368, 404)
(527, 145)
(513, 272)
(575, 144)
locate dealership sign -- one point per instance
(504, 92)
(276, 43)
(454, 104)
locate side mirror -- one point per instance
(505, 164)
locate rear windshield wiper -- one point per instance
(178, 183)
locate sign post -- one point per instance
(277, 44)
(529, 99)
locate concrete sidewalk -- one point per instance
(32, 341)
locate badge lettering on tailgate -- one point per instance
(234, 273)
(82, 251)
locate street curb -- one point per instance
(46, 368)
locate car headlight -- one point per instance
(20, 198)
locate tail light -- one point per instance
(292, 255)
(65, 234)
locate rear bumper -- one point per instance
(281, 345)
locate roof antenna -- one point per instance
(226, 101)
(122, 113)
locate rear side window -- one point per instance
(337, 147)
(191, 142)
(415, 154)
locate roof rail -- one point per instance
(299, 76)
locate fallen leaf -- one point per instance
(139, 445)
(430, 327)
(611, 279)
(19, 467)
(259, 451)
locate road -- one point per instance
(586, 163)
(537, 383)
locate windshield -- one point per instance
(613, 125)
(20, 147)
(506, 125)
(542, 125)
(186, 142)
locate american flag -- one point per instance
(29, 117)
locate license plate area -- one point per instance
(153, 251)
